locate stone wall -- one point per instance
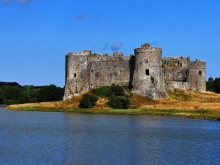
(148, 75)
(197, 73)
(145, 72)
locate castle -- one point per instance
(145, 72)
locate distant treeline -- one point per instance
(213, 84)
(13, 93)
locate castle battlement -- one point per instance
(145, 72)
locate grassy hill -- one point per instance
(179, 103)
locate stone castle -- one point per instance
(145, 72)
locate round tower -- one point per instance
(76, 76)
(197, 75)
(149, 73)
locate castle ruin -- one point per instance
(145, 72)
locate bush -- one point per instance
(117, 90)
(119, 102)
(88, 101)
(102, 91)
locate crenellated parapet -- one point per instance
(145, 72)
(198, 64)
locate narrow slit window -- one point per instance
(74, 75)
(200, 72)
(147, 72)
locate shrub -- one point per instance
(119, 102)
(117, 90)
(152, 79)
(88, 101)
(102, 91)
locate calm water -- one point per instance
(69, 138)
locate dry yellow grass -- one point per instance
(178, 103)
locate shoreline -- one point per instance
(179, 103)
(3, 106)
(200, 114)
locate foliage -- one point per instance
(209, 84)
(50, 93)
(116, 90)
(13, 93)
(88, 101)
(119, 102)
(152, 79)
(213, 85)
(216, 84)
(107, 91)
(102, 91)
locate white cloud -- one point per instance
(17, 1)
(116, 45)
(80, 17)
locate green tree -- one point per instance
(88, 101)
(119, 102)
(216, 84)
(50, 93)
(116, 90)
(210, 84)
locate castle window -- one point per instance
(74, 75)
(180, 64)
(119, 72)
(146, 60)
(200, 72)
(185, 79)
(147, 72)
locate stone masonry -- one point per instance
(145, 72)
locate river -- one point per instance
(74, 138)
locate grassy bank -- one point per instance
(178, 103)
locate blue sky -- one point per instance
(35, 35)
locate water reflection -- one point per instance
(69, 138)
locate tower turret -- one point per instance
(149, 74)
(197, 75)
(76, 76)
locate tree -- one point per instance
(50, 93)
(117, 90)
(209, 84)
(119, 102)
(88, 101)
(216, 84)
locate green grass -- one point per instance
(198, 113)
